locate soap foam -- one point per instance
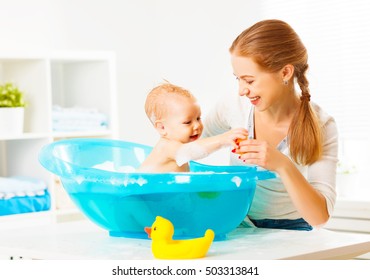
(188, 152)
(237, 180)
(182, 179)
(79, 179)
(141, 181)
(109, 166)
(140, 154)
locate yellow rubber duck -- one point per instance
(164, 247)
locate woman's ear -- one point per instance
(287, 72)
(159, 126)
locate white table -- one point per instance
(86, 241)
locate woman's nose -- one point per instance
(243, 91)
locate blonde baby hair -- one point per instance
(156, 101)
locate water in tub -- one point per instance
(123, 205)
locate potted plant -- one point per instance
(11, 109)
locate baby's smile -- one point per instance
(194, 137)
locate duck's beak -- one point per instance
(148, 230)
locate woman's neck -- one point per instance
(281, 112)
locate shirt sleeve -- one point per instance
(322, 174)
(216, 122)
(229, 112)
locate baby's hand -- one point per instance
(234, 136)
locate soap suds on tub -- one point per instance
(79, 179)
(141, 181)
(182, 179)
(237, 180)
(140, 154)
(109, 166)
(130, 181)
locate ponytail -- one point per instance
(305, 134)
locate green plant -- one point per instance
(11, 96)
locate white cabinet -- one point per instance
(67, 79)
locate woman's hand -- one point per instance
(260, 153)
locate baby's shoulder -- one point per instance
(167, 146)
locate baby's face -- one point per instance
(182, 121)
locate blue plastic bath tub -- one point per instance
(99, 175)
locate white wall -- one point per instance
(194, 37)
(185, 42)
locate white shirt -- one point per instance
(271, 200)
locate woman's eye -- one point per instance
(188, 122)
(249, 82)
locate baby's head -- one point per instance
(174, 112)
(160, 99)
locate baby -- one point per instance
(176, 116)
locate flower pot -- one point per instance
(11, 120)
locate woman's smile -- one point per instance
(254, 100)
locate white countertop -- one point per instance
(86, 241)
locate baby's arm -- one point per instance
(203, 147)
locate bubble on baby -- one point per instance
(190, 151)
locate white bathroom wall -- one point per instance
(194, 38)
(29, 25)
(185, 42)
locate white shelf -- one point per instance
(67, 79)
(28, 135)
(70, 134)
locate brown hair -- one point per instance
(155, 104)
(273, 44)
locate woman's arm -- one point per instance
(309, 201)
(313, 197)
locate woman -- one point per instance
(288, 134)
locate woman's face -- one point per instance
(262, 88)
(183, 120)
